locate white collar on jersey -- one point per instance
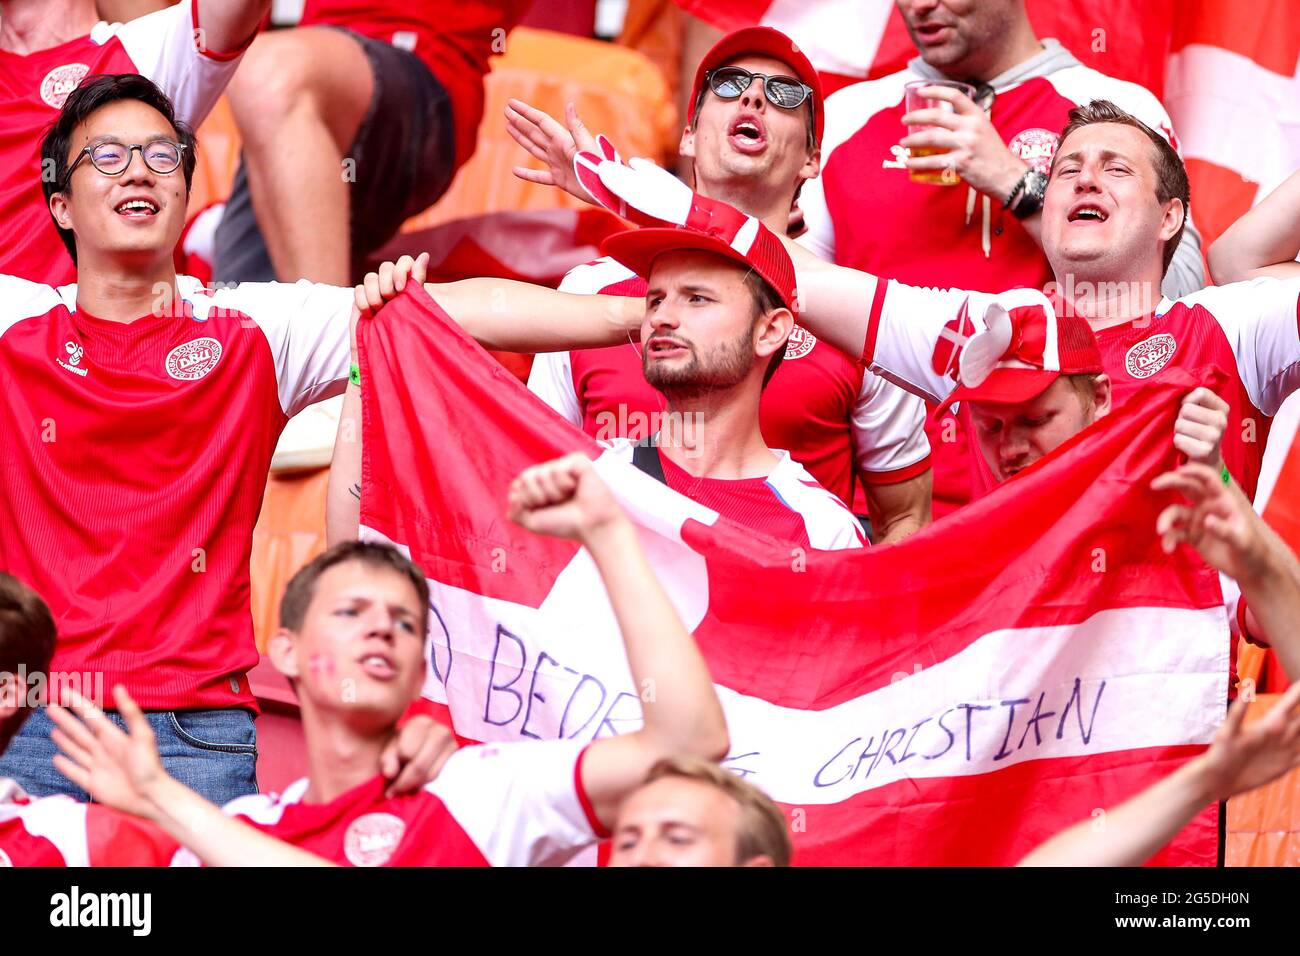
(191, 290)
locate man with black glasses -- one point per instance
(190, 50)
(139, 416)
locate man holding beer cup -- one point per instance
(935, 175)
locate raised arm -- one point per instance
(1240, 759)
(568, 499)
(510, 316)
(909, 335)
(1263, 242)
(227, 25)
(499, 314)
(520, 317)
(124, 771)
(1220, 524)
(343, 491)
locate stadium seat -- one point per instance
(617, 91)
(289, 533)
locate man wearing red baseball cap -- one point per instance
(719, 306)
(1034, 380)
(753, 133)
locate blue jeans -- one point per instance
(213, 752)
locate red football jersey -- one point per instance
(864, 212)
(135, 461)
(59, 831)
(516, 804)
(845, 426)
(787, 505)
(454, 40)
(160, 46)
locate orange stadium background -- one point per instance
(1226, 71)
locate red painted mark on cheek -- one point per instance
(321, 667)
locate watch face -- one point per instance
(1031, 199)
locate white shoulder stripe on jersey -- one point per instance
(267, 808)
(20, 299)
(829, 524)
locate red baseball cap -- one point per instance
(711, 227)
(1023, 349)
(763, 41)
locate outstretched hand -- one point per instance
(1245, 756)
(116, 768)
(552, 143)
(1217, 520)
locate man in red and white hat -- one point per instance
(753, 139)
(717, 319)
(1034, 380)
(719, 307)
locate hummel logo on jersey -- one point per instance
(194, 359)
(75, 352)
(1150, 355)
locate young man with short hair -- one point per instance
(46, 49)
(753, 139)
(982, 229)
(352, 643)
(713, 324)
(982, 233)
(139, 420)
(1114, 207)
(691, 812)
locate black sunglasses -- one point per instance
(783, 91)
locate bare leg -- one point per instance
(299, 98)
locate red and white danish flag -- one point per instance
(953, 699)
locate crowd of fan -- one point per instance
(800, 323)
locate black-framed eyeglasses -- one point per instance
(162, 156)
(787, 92)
